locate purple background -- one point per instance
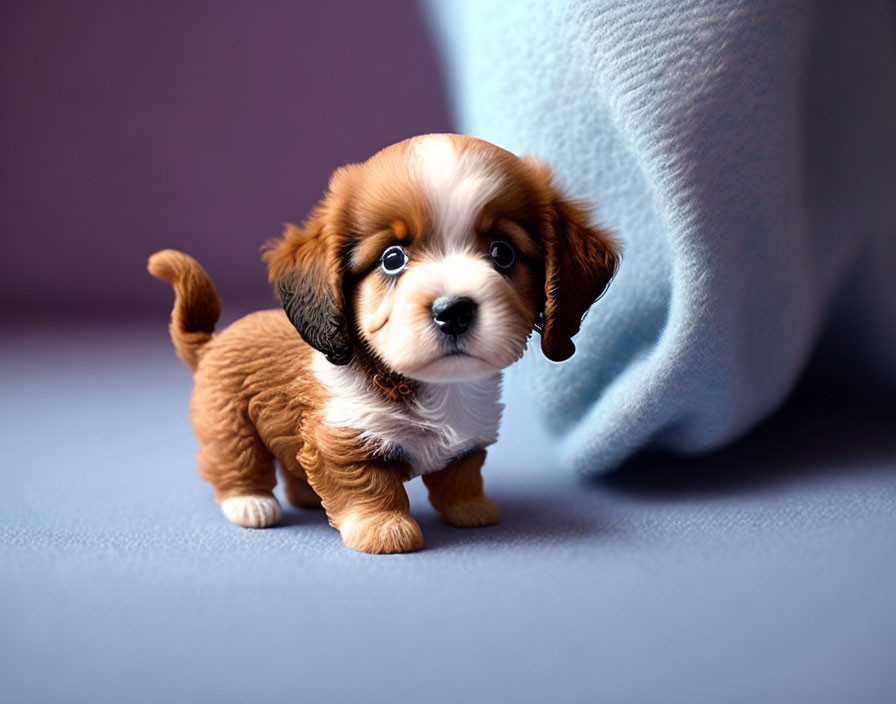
(128, 127)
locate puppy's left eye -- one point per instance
(394, 260)
(502, 254)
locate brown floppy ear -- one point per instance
(305, 267)
(580, 260)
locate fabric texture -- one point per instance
(744, 153)
(763, 573)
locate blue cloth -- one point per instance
(745, 153)
(764, 573)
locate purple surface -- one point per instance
(127, 127)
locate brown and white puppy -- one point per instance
(413, 283)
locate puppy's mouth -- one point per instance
(453, 365)
(456, 354)
(458, 349)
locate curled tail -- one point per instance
(196, 303)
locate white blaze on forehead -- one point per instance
(456, 184)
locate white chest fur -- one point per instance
(442, 423)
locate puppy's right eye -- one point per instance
(502, 254)
(394, 260)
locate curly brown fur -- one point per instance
(353, 387)
(196, 303)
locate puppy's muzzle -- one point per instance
(453, 315)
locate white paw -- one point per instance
(252, 511)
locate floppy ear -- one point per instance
(580, 260)
(305, 267)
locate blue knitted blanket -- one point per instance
(745, 154)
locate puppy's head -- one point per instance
(438, 256)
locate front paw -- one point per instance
(383, 532)
(472, 513)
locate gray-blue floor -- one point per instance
(766, 572)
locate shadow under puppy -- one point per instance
(413, 283)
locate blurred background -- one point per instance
(128, 127)
(761, 572)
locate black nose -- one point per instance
(453, 315)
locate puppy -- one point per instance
(419, 276)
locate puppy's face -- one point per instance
(448, 284)
(438, 256)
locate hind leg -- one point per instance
(241, 470)
(295, 485)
